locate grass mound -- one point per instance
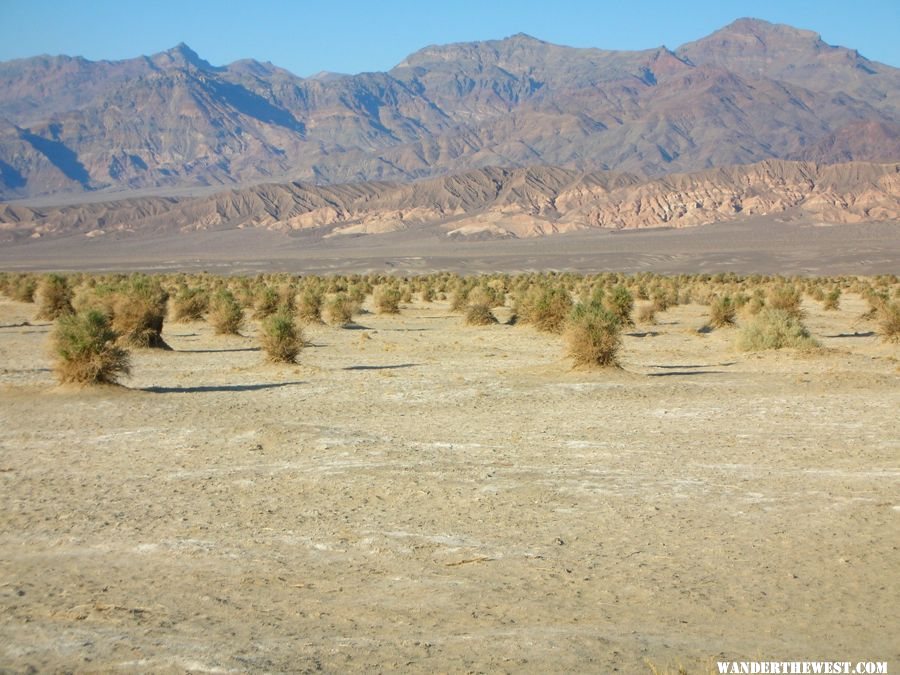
(593, 336)
(722, 312)
(479, 315)
(56, 297)
(775, 329)
(85, 349)
(281, 338)
(225, 313)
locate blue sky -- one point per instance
(306, 37)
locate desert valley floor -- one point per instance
(417, 495)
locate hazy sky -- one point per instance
(353, 36)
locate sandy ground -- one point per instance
(421, 496)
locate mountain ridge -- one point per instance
(748, 92)
(494, 202)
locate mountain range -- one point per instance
(564, 119)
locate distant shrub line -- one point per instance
(100, 316)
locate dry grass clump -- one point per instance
(281, 337)
(774, 329)
(647, 313)
(85, 350)
(546, 308)
(889, 321)
(340, 309)
(189, 304)
(786, 298)
(479, 314)
(225, 313)
(593, 336)
(722, 312)
(22, 288)
(309, 308)
(387, 300)
(139, 310)
(832, 300)
(56, 297)
(265, 302)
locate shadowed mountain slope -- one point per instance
(749, 92)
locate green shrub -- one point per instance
(281, 338)
(774, 329)
(620, 302)
(85, 349)
(225, 313)
(593, 335)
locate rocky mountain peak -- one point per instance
(182, 56)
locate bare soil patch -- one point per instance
(419, 495)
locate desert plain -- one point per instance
(419, 495)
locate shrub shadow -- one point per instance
(218, 351)
(686, 372)
(218, 387)
(399, 365)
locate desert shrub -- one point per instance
(876, 301)
(785, 298)
(662, 301)
(722, 312)
(428, 293)
(647, 313)
(340, 309)
(387, 300)
(889, 321)
(620, 302)
(22, 288)
(310, 306)
(774, 329)
(459, 299)
(85, 349)
(545, 307)
(189, 304)
(832, 300)
(357, 293)
(479, 314)
(139, 310)
(485, 294)
(225, 315)
(756, 302)
(593, 335)
(265, 302)
(287, 298)
(281, 338)
(56, 297)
